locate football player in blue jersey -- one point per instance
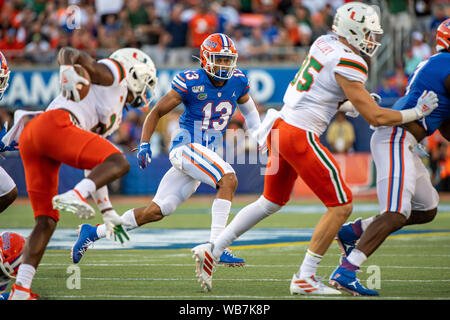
(210, 96)
(8, 189)
(405, 193)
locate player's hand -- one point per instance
(69, 79)
(376, 97)
(12, 146)
(348, 108)
(144, 155)
(427, 102)
(114, 227)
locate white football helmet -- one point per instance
(141, 74)
(4, 75)
(358, 23)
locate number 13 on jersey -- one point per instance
(304, 77)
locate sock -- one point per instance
(101, 198)
(347, 265)
(246, 218)
(309, 264)
(25, 275)
(128, 218)
(357, 228)
(365, 223)
(85, 187)
(355, 258)
(220, 212)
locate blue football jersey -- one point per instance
(207, 108)
(429, 75)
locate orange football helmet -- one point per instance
(4, 75)
(443, 36)
(218, 56)
(11, 247)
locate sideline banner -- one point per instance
(35, 88)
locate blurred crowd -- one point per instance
(31, 30)
(171, 31)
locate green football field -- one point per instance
(410, 265)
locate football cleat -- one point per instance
(204, 264)
(87, 235)
(71, 201)
(344, 279)
(229, 259)
(310, 285)
(347, 237)
(21, 293)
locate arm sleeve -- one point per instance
(353, 68)
(250, 114)
(245, 82)
(179, 85)
(116, 68)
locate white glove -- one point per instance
(376, 97)
(69, 80)
(114, 227)
(427, 102)
(349, 110)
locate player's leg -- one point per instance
(8, 190)
(319, 170)
(277, 190)
(208, 167)
(396, 182)
(87, 151)
(41, 176)
(175, 187)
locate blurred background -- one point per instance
(272, 38)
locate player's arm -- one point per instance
(378, 116)
(166, 104)
(248, 109)
(100, 74)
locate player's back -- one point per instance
(207, 108)
(312, 97)
(101, 109)
(429, 75)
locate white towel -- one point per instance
(19, 123)
(264, 129)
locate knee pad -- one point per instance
(168, 204)
(267, 206)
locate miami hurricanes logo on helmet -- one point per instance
(218, 56)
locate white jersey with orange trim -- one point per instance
(312, 97)
(101, 110)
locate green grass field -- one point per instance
(415, 266)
